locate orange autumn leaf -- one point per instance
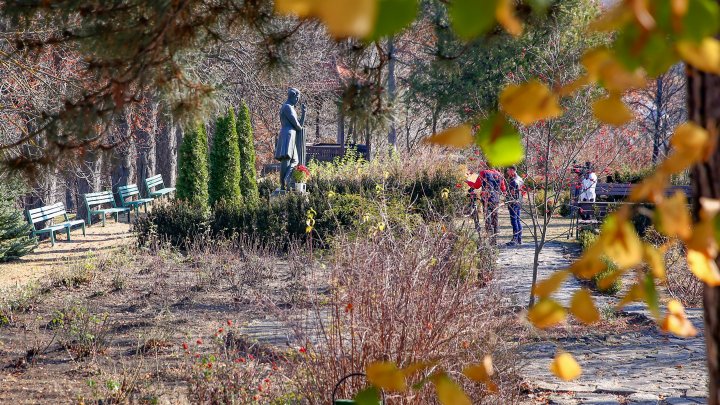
(482, 373)
(676, 321)
(704, 267)
(505, 15)
(546, 313)
(583, 307)
(529, 102)
(612, 110)
(674, 216)
(544, 288)
(456, 137)
(574, 85)
(386, 375)
(565, 367)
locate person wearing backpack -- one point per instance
(515, 185)
(492, 185)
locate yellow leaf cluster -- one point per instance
(676, 322)
(619, 241)
(565, 367)
(343, 18)
(673, 216)
(529, 102)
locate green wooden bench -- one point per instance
(97, 200)
(158, 184)
(51, 212)
(126, 198)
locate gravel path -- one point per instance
(637, 366)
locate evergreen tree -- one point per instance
(192, 181)
(225, 163)
(248, 180)
(15, 239)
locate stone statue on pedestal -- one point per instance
(290, 146)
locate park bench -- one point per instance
(126, 198)
(157, 182)
(97, 200)
(608, 197)
(49, 213)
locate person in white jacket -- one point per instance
(588, 184)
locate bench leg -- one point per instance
(52, 238)
(83, 226)
(89, 221)
(67, 230)
(103, 217)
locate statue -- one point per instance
(290, 146)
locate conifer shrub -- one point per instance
(192, 182)
(224, 183)
(15, 239)
(246, 146)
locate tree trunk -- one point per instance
(167, 150)
(146, 147)
(704, 110)
(341, 127)
(658, 134)
(318, 111)
(123, 172)
(392, 133)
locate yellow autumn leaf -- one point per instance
(690, 139)
(606, 282)
(704, 267)
(588, 266)
(386, 375)
(620, 242)
(636, 293)
(655, 260)
(703, 235)
(544, 288)
(448, 392)
(505, 15)
(529, 102)
(676, 321)
(602, 66)
(482, 373)
(583, 307)
(704, 55)
(674, 216)
(574, 85)
(456, 137)
(415, 368)
(546, 313)
(641, 10)
(650, 189)
(612, 19)
(299, 8)
(679, 7)
(676, 163)
(565, 367)
(343, 18)
(612, 110)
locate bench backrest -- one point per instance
(48, 212)
(154, 181)
(128, 191)
(99, 198)
(624, 189)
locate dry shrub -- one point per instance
(681, 282)
(406, 299)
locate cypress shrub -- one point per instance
(15, 240)
(192, 182)
(248, 178)
(224, 184)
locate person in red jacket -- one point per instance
(492, 185)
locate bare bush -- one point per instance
(682, 284)
(405, 299)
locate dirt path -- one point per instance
(633, 364)
(46, 260)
